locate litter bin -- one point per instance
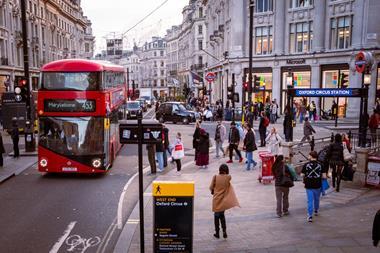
(267, 160)
(373, 173)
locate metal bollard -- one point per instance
(312, 143)
(332, 137)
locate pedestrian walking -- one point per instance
(287, 123)
(178, 152)
(273, 112)
(264, 123)
(220, 136)
(274, 140)
(334, 110)
(373, 124)
(167, 151)
(160, 149)
(15, 135)
(196, 138)
(308, 130)
(313, 173)
(249, 146)
(283, 181)
(203, 149)
(224, 198)
(233, 140)
(336, 159)
(151, 148)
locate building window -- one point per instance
(87, 47)
(162, 64)
(162, 72)
(161, 53)
(330, 80)
(300, 3)
(200, 60)
(162, 82)
(264, 40)
(301, 37)
(200, 44)
(340, 32)
(264, 5)
(200, 12)
(154, 54)
(200, 28)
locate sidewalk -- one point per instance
(344, 224)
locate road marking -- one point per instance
(78, 243)
(62, 239)
(108, 234)
(120, 204)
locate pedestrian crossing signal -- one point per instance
(343, 80)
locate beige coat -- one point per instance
(224, 196)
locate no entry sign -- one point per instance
(210, 77)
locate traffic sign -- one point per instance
(210, 77)
(362, 60)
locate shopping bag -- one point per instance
(348, 172)
(325, 184)
(178, 151)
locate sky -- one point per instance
(111, 18)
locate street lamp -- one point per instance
(289, 83)
(364, 117)
(367, 78)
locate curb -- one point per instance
(8, 172)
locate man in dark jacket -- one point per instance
(2, 150)
(336, 160)
(312, 173)
(233, 140)
(262, 129)
(166, 144)
(249, 145)
(307, 130)
(15, 138)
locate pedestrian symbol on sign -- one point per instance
(158, 190)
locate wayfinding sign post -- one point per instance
(173, 215)
(140, 132)
(361, 93)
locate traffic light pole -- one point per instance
(233, 96)
(250, 50)
(29, 137)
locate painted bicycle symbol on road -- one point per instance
(79, 244)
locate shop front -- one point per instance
(330, 79)
(378, 82)
(266, 85)
(301, 80)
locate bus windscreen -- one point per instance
(77, 81)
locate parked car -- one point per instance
(143, 104)
(175, 112)
(132, 109)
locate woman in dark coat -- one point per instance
(203, 149)
(196, 138)
(2, 150)
(336, 159)
(15, 138)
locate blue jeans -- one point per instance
(160, 159)
(312, 200)
(249, 156)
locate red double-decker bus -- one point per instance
(79, 105)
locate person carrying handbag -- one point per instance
(178, 152)
(224, 198)
(283, 181)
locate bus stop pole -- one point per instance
(141, 190)
(337, 102)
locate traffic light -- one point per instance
(20, 90)
(230, 92)
(256, 83)
(343, 80)
(245, 86)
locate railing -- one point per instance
(372, 140)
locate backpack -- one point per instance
(323, 153)
(266, 122)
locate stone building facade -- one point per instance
(313, 40)
(186, 43)
(57, 29)
(153, 68)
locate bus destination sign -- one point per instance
(69, 105)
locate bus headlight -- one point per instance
(96, 163)
(43, 162)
